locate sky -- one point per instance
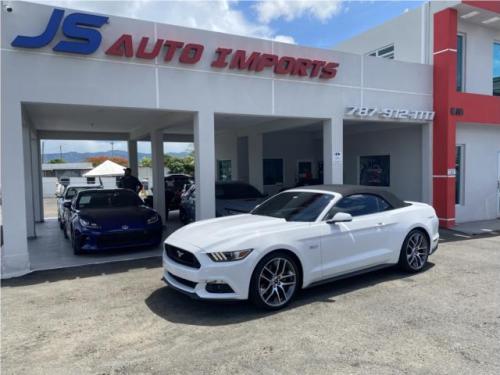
(319, 24)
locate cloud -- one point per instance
(220, 15)
(290, 10)
(284, 39)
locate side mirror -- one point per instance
(67, 204)
(340, 217)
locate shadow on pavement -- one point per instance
(447, 235)
(179, 308)
(90, 270)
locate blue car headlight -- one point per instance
(229, 256)
(89, 224)
(153, 219)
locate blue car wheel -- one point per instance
(77, 250)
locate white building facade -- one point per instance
(259, 111)
(461, 39)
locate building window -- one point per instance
(224, 170)
(460, 62)
(459, 174)
(273, 171)
(375, 170)
(386, 52)
(496, 69)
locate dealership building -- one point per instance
(388, 108)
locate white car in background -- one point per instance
(297, 239)
(67, 195)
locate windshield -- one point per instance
(72, 191)
(236, 191)
(294, 206)
(108, 199)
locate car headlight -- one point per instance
(229, 256)
(153, 219)
(89, 224)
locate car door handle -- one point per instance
(381, 224)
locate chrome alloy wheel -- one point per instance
(417, 250)
(277, 282)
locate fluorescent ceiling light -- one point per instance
(490, 20)
(470, 14)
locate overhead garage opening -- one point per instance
(394, 156)
(269, 153)
(135, 129)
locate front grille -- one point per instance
(124, 238)
(190, 284)
(182, 256)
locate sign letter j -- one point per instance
(44, 38)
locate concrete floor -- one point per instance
(120, 318)
(479, 227)
(50, 250)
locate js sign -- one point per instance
(80, 28)
(83, 37)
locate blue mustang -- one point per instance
(111, 219)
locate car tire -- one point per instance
(77, 250)
(65, 231)
(271, 285)
(61, 224)
(415, 251)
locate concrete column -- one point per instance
(28, 177)
(14, 254)
(36, 171)
(157, 162)
(255, 170)
(40, 178)
(133, 163)
(333, 155)
(204, 146)
(427, 163)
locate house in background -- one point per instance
(65, 169)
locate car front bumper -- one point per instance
(434, 243)
(193, 281)
(91, 240)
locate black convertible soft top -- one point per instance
(346, 190)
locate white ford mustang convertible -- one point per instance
(296, 239)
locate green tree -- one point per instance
(57, 161)
(179, 165)
(146, 162)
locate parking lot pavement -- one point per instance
(50, 207)
(120, 318)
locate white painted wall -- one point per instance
(412, 36)
(292, 146)
(226, 148)
(411, 33)
(404, 145)
(478, 57)
(482, 144)
(402, 31)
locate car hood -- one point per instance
(226, 232)
(116, 218)
(235, 206)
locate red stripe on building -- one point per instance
(474, 108)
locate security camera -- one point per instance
(8, 8)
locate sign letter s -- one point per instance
(90, 39)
